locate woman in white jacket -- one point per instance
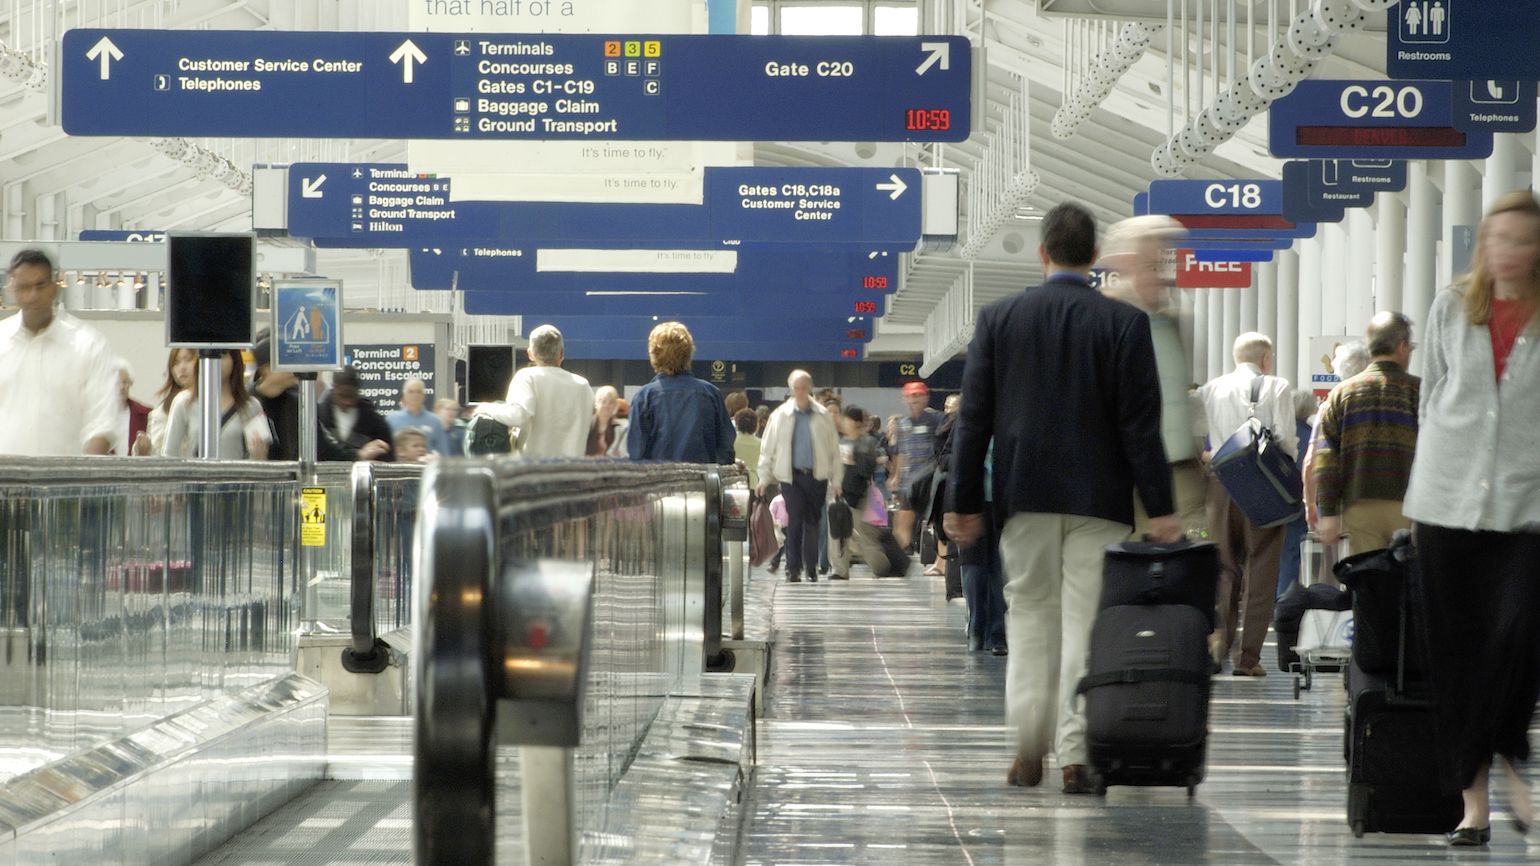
(801, 452)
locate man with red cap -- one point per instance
(916, 450)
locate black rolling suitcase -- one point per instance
(1396, 783)
(1148, 673)
(1146, 696)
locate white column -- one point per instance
(1267, 296)
(1334, 279)
(1287, 338)
(1250, 319)
(1500, 174)
(1310, 289)
(1218, 350)
(1462, 207)
(1422, 233)
(1390, 235)
(1360, 271)
(1231, 299)
(1194, 305)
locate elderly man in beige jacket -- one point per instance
(801, 452)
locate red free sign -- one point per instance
(1193, 274)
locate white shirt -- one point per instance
(58, 389)
(184, 430)
(1227, 402)
(552, 409)
(346, 420)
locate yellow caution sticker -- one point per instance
(312, 517)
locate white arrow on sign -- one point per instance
(940, 52)
(897, 186)
(406, 55)
(106, 52)
(311, 188)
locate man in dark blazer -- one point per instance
(1063, 380)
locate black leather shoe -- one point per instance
(1521, 826)
(793, 578)
(1470, 837)
(839, 577)
(823, 569)
(999, 650)
(1077, 780)
(975, 643)
(812, 577)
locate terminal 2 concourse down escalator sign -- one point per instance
(535, 87)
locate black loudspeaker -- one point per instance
(488, 370)
(210, 281)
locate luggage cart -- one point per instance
(1325, 643)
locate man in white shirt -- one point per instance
(551, 408)
(1248, 554)
(58, 376)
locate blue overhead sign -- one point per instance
(662, 302)
(307, 332)
(507, 86)
(388, 206)
(1232, 255)
(1299, 204)
(1462, 40)
(1326, 119)
(513, 269)
(1494, 106)
(768, 350)
(1371, 175)
(123, 236)
(1217, 197)
(716, 329)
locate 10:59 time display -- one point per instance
(918, 119)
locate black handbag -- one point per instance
(1142, 573)
(841, 522)
(486, 437)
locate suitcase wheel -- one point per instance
(1358, 829)
(1296, 688)
(1101, 787)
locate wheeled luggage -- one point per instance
(1396, 781)
(1388, 632)
(1146, 696)
(1393, 776)
(1143, 573)
(1323, 638)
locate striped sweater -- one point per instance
(1366, 438)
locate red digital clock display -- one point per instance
(928, 119)
(875, 283)
(1379, 136)
(855, 334)
(848, 354)
(866, 308)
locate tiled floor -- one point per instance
(884, 744)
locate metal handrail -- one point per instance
(461, 649)
(369, 654)
(139, 470)
(711, 648)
